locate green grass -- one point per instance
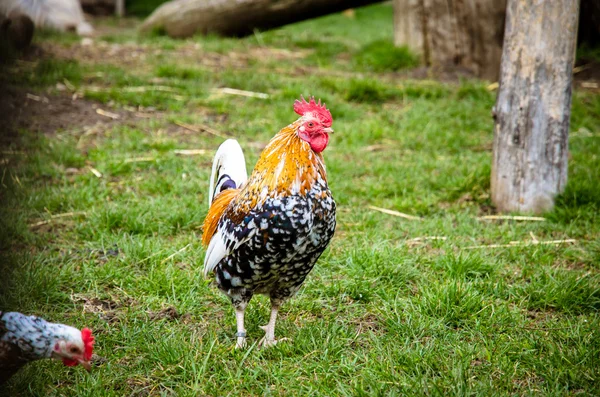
(143, 7)
(586, 53)
(381, 313)
(382, 56)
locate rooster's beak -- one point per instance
(328, 130)
(86, 365)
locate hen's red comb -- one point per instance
(320, 111)
(88, 343)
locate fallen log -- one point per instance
(184, 18)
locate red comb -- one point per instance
(320, 111)
(88, 343)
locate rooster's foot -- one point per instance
(264, 342)
(241, 340)
(268, 342)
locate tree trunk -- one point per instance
(533, 106)
(408, 27)
(120, 8)
(183, 18)
(465, 33)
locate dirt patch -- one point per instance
(139, 387)
(98, 360)
(478, 362)
(53, 227)
(577, 265)
(171, 314)
(128, 55)
(367, 323)
(48, 114)
(102, 256)
(195, 55)
(108, 309)
(539, 315)
(587, 76)
(140, 56)
(444, 73)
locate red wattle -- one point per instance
(69, 363)
(318, 142)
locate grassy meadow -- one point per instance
(101, 222)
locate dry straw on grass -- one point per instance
(394, 213)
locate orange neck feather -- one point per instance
(287, 166)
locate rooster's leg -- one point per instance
(269, 338)
(240, 299)
(241, 330)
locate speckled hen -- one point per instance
(264, 233)
(28, 338)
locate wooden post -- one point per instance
(410, 26)
(453, 32)
(533, 106)
(120, 8)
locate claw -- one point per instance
(264, 342)
(240, 343)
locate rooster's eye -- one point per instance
(311, 124)
(74, 350)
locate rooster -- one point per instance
(28, 338)
(263, 234)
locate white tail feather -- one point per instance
(214, 253)
(229, 164)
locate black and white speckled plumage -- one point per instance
(27, 338)
(284, 237)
